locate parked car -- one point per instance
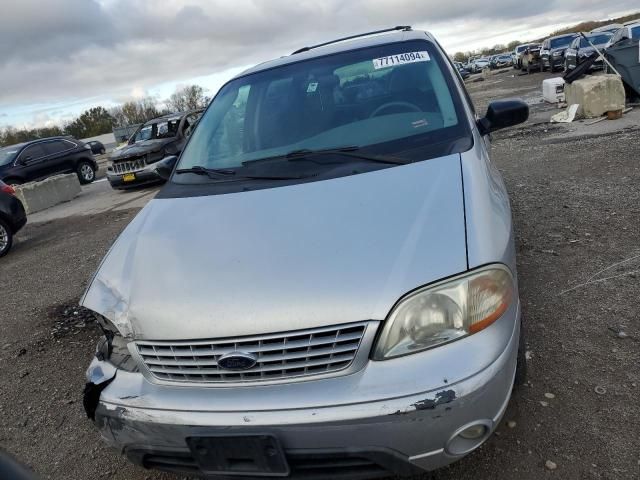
(553, 49)
(327, 278)
(134, 164)
(97, 148)
(516, 55)
(480, 64)
(611, 28)
(501, 61)
(627, 32)
(580, 50)
(530, 58)
(12, 217)
(39, 159)
(462, 70)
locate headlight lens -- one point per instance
(557, 54)
(446, 312)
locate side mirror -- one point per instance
(502, 114)
(165, 166)
(24, 160)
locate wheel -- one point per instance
(102, 151)
(6, 238)
(521, 365)
(541, 68)
(86, 173)
(529, 68)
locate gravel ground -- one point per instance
(576, 208)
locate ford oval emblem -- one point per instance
(237, 361)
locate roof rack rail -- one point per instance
(398, 28)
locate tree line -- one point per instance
(509, 47)
(99, 120)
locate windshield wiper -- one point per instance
(216, 173)
(349, 151)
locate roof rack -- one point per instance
(405, 28)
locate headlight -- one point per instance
(113, 347)
(445, 312)
(557, 54)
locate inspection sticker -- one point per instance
(401, 58)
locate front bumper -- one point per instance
(147, 176)
(392, 433)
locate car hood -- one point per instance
(140, 148)
(280, 259)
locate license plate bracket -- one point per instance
(128, 177)
(256, 455)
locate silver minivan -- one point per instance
(326, 285)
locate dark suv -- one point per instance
(553, 50)
(135, 163)
(45, 157)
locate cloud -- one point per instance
(68, 50)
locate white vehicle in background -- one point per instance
(611, 28)
(630, 31)
(479, 64)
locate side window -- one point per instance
(190, 123)
(32, 153)
(56, 146)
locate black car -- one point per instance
(97, 148)
(553, 49)
(135, 163)
(45, 157)
(12, 217)
(580, 50)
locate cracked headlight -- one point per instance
(113, 347)
(446, 312)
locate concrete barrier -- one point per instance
(36, 196)
(596, 95)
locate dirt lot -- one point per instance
(576, 206)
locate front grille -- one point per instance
(129, 166)
(307, 466)
(279, 356)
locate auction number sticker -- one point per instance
(400, 59)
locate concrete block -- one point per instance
(36, 196)
(596, 95)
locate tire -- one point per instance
(86, 172)
(6, 238)
(528, 68)
(521, 365)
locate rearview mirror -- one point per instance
(502, 114)
(165, 166)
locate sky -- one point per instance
(60, 57)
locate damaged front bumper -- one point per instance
(369, 414)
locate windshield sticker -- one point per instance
(400, 59)
(313, 86)
(420, 123)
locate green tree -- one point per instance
(512, 45)
(460, 57)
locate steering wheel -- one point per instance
(406, 105)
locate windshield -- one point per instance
(162, 129)
(635, 33)
(561, 41)
(599, 39)
(8, 154)
(388, 98)
(521, 48)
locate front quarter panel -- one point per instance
(488, 212)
